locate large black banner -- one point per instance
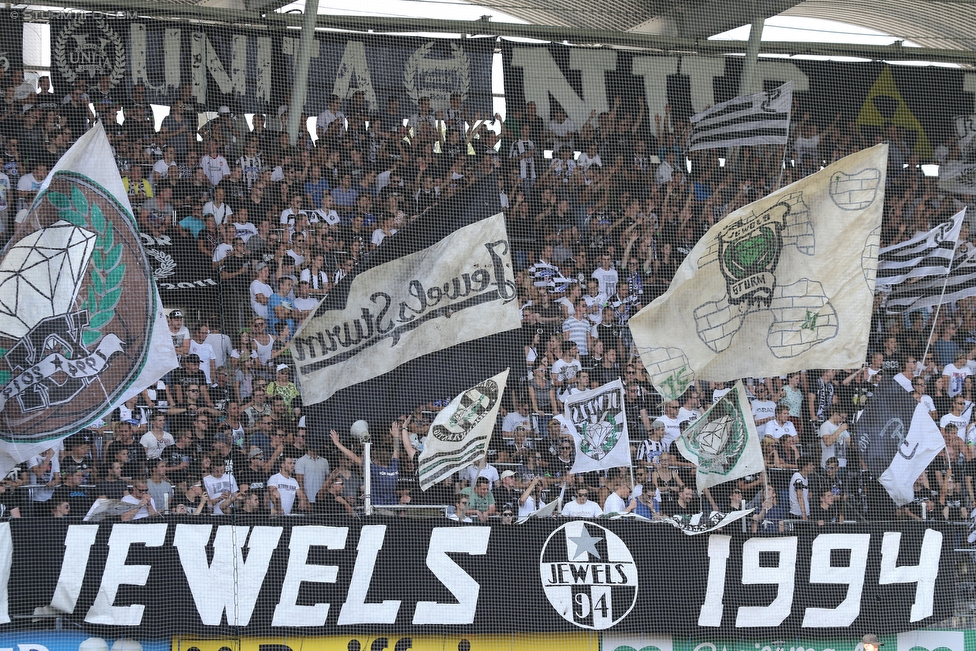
(921, 99)
(11, 43)
(315, 577)
(252, 71)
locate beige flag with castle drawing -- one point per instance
(783, 284)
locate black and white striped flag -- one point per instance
(760, 119)
(928, 292)
(926, 254)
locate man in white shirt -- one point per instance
(800, 489)
(565, 370)
(261, 291)
(606, 275)
(582, 507)
(960, 416)
(957, 373)
(214, 164)
(221, 487)
(331, 114)
(620, 500)
(287, 488)
(199, 346)
(311, 471)
(763, 409)
(780, 426)
(834, 437)
(139, 496)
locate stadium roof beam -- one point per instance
(486, 27)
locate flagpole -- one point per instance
(938, 307)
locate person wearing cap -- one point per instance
(255, 475)
(508, 491)
(651, 448)
(225, 450)
(188, 374)
(870, 642)
(72, 489)
(283, 387)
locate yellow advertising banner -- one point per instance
(393, 642)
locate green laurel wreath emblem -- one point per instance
(108, 270)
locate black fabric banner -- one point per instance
(184, 275)
(922, 99)
(326, 576)
(251, 71)
(11, 43)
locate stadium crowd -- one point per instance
(600, 215)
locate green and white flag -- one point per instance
(780, 285)
(598, 422)
(723, 442)
(460, 433)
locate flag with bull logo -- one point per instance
(598, 422)
(777, 286)
(723, 441)
(81, 324)
(460, 433)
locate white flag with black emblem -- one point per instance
(460, 433)
(598, 422)
(723, 442)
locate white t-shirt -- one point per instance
(216, 487)
(287, 488)
(206, 353)
(838, 449)
(564, 370)
(957, 378)
(264, 289)
(777, 431)
(799, 493)
(961, 421)
(154, 447)
(763, 409)
(608, 280)
(614, 504)
(587, 509)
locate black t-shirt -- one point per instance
(234, 463)
(135, 467)
(113, 490)
(10, 499)
(174, 456)
(78, 498)
(253, 478)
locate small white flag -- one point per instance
(598, 422)
(723, 442)
(460, 433)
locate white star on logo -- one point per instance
(585, 543)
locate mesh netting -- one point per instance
(458, 352)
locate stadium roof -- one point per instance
(945, 30)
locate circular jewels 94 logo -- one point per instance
(68, 349)
(588, 575)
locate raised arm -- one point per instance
(352, 456)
